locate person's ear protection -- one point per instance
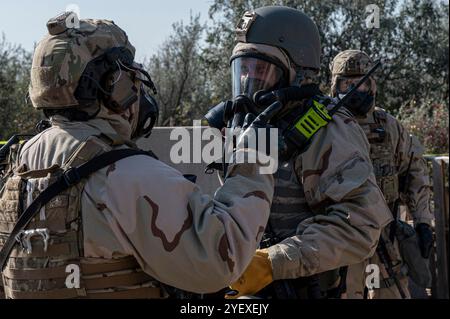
(110, 78)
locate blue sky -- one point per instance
(148, 23)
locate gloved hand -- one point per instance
(425, 235)
(287, 94)
(295, 104)
(252, 129)
(257, 276)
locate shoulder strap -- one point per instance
(380, 115)
(69, 178)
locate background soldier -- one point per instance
(400, 171)
(134, 224)
(327, 210)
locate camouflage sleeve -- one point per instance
(179, 235)
(417, 195)
(351, 211)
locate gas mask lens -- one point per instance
(250, 75)
(346, 84)
(362, 100)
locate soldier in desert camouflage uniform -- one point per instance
(327, 211)
(137, 225)
(397, 158)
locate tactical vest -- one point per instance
(289, 209)
(49, 253)
(383, 160)
(383, 156)
(289, 206)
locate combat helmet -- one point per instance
(85, 65)
(351, 65)
(284, 38)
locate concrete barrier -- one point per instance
(159, 142)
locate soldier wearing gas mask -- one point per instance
(401, 174)
(327, 211)
(85, 214)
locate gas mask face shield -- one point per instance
(251, 74)
(362, 100)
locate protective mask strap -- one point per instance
(148, 81)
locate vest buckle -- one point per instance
(71, 176)
(24, 238)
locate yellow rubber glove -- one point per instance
(257, 275)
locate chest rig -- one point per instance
(48, 254)
(382, 155)
(289, 208)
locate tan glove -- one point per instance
(257, 275)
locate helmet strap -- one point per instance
(299, 77)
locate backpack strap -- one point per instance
(380, 115)
(69, 178)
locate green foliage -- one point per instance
(16, 115)
(429, 122)
(178, 71)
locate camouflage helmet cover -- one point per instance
(61, 57)
(349, 63)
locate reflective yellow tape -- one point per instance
(4, 142)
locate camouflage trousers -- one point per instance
(357, 276)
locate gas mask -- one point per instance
(134, 103)
(362, 101)
(252, 73)
(120, 84)
(144, 114)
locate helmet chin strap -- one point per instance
(148, 81)
(299, 77)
